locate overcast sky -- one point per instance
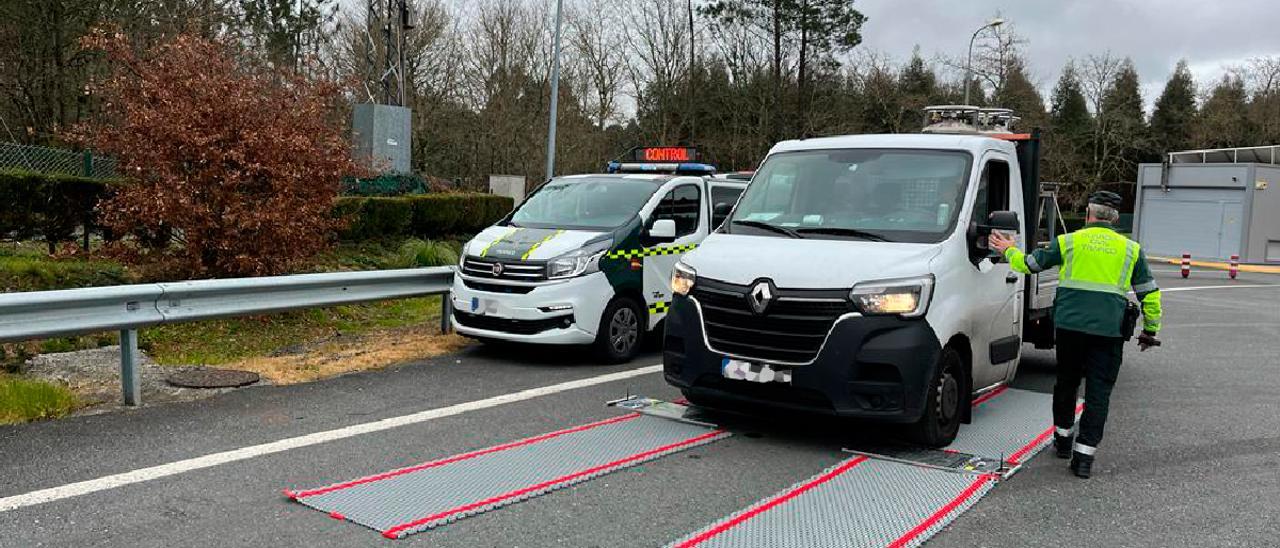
(1210, 34)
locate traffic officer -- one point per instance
(1099, 267)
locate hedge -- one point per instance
(49, 205)
(422, 216)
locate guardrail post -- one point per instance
(446, 312)
(130, 379)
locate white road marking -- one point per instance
(154, 472)
(1195, 288)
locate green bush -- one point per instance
(419, 253)
(24, 400)
(387, 184)
(49, 205)
(428, 216)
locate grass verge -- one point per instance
(23, 400)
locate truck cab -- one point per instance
(587, 259)
(853, 279)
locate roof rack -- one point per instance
(968, 120)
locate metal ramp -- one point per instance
(894, 495)
(414, 499)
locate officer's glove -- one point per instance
(1147, 340)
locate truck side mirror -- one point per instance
(663, 229)
(722, 209)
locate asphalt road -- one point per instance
(1190, 457)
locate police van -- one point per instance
(853, 278)
(587, 259)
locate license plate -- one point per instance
(753, 372)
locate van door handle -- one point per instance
(1011, 278)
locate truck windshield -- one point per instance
(585, 203)
(856, 194)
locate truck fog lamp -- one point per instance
(682, 279)
(906, 297)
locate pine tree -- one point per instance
(1175, 112)
(1019, 94)
(1122, 136)
(917, 88)
(1224, 121)
(1068, 137)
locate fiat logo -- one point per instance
(497, 269)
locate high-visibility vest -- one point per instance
(1097, 259)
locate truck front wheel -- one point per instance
(943, 411)
(622, 328)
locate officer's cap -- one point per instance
(1106, 198)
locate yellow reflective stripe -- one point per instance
(1152, 312)
(484, 252)
(539, 243)
(650, 251)
(1066, 243)
(1101, 287)
(1126, 273)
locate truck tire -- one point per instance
(622, 330)
(943, 410)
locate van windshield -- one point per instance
(864, 194)
(585, 203)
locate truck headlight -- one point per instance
(906, 297)
(682, 279)
(579, 262)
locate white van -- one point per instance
(853, 279)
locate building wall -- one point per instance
(1264, 227)
(1202, 212)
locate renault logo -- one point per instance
(760, 296)
(497, 270)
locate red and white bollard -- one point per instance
(1235, 266)
(1186, 265)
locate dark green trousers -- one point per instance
(1095, 360)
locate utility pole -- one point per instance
(555, 96)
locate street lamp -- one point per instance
(555, 96)
(968, 62)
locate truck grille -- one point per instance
(790, 330)
(516, 271)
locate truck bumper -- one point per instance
(870, 367)
(567, 312)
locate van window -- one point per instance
(681, 206)
(993, 191)
(722, 195)
(900, 195)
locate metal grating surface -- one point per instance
(414, 499)
(860, 502)
(1009, 425)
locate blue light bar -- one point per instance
(687, 168)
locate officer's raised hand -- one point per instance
(1000, 242)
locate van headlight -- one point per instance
(579, 262)
(906, 297)
(682, 278)
(462, 254)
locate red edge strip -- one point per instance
(394, 532)
(1016, 458)
(941, 513)
(450, 460)
(777, 500)
(985, 397)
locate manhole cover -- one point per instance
(204, 377)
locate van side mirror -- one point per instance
(1004, 221)
(722, 209)
(663, 229)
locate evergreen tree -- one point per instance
(917, 88)
(1019, 94)
(1121, 131)
(1224, 121)
(1068, 137)
(1175, 112)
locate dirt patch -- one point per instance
(94, 377)
(305, 363)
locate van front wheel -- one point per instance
(943, 411)
(622, 328)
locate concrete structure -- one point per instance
(380, 134)
(1212, 204)
(512, 186)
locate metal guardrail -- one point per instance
(128, 308)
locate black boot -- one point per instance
(1062, 445)
(1081, 465)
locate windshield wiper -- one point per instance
(775, 228)
(841, 231)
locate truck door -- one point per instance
(998, 325)
(683, 204)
